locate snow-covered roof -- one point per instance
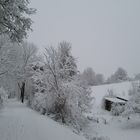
(123, 95)
(115, 100)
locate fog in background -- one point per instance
(105, 34)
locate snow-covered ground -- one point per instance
(115, 128)
(18, 122)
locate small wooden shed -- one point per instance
(108, 101)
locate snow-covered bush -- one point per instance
(117, 109)
(3, 96)
(37, 96)
(133, 105)
(77, 103)
(39, 103)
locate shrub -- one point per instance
(3, 96)
(117, 109)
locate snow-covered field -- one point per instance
(115, 128)
(120, 89)
(18, 122)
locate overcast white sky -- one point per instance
(105, 34)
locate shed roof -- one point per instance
(115, 100)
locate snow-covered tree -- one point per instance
(137, 76)
(27, 54)
(89, 76)
(66, 97)
(119, 76)
(55, 76)
(3, 54)
(14, 64)
(66, 60)
(99, 79)
(38, 87)
(13, 19)
(8, 58)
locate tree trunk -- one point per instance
(62, 117)
(22, 92)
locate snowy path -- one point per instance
(18, 122)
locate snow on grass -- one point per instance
(117, 129)
(18, 122)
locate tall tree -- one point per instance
(66, 60)
(8, 60)
(89, 76)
